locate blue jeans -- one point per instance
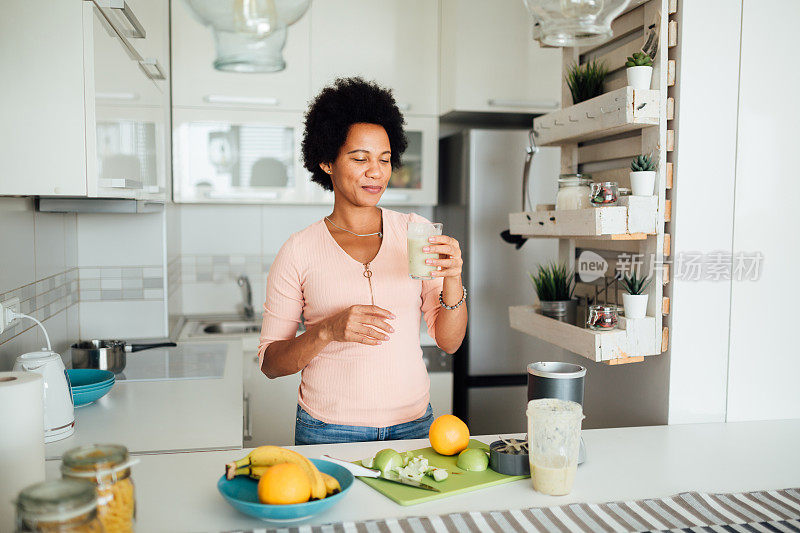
(309, 430)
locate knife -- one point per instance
(361, 471)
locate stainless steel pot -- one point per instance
(107, 354)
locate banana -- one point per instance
(254, 472)
(331, 484)
(272, 455)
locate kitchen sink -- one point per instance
(194, 327)
(231, 327)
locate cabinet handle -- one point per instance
(549, 104)
(222, 99)
(121, 6)
(116, 96)
(247, 428)
(151, 67)
(250, 195)
(120, 183)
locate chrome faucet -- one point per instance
(247, 293)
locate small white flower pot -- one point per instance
(635, 305)
(639, 77)
(643, 182)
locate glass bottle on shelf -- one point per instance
(574, 191)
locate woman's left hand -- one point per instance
(449, 259)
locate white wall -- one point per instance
(702, 203)
(764, 362)
(38, 260)
(734, 354)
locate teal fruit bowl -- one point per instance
(242, 493)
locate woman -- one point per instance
(363, 377)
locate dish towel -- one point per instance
(775, 510)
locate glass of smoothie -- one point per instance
(554, 435)
(418, 235)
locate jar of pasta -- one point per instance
(58, 506)
(108, 467)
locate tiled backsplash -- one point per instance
(214, 268)
(42, 299)
(121, 283)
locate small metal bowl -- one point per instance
(510, 463)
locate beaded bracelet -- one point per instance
(461, 301)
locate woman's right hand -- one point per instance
(365, 324)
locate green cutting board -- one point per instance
(454, 484)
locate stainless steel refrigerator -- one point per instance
(480, 183)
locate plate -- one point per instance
(85, 397)
(242, 493)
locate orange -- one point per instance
(448, 435)
(284, 483)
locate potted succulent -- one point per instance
(635, 302)
(586, 81)
(640, 71)
(643, 175)
(554, 286)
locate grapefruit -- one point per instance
(448, 435)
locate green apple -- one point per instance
(387, 460)
(473, 459)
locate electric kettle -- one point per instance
(59, 409)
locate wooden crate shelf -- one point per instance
(635, 219)
(633, 338)
(608, 114)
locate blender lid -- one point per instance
(556, 370)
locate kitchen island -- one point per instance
(167, 400)
(177, 492)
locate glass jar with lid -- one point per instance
(58, 506)
(108, 467)
(574, 191)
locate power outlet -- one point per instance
(12, 304)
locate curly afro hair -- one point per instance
(329, 117)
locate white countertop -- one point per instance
(177, 492)
(167, 415)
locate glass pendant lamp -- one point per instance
(249, 35)
(574, 22)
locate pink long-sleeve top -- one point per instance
(347, 382)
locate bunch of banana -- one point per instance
(255, 472)
(258, 460)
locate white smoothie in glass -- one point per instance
(417, 236)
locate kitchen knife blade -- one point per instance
(360, 471)
(396, 478)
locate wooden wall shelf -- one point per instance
(633, 338)
(608, 114)
(634, 219)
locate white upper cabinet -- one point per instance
(237, 156)
(86, 117)
(197, 84)
(42, 140)
(394, 42)
(127, 148)
(490, 63)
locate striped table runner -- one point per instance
(764, 511)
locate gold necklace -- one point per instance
(379, 233)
